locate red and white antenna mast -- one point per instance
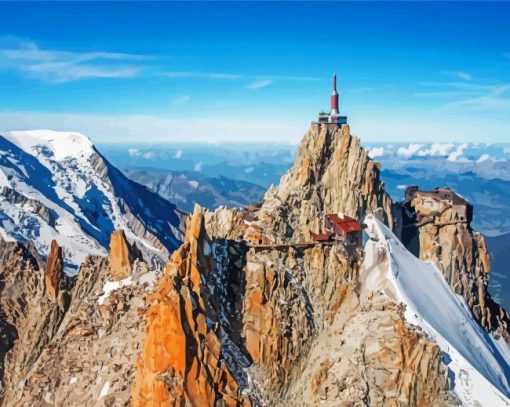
(334, 97)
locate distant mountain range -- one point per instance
(186, 188)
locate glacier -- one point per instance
(478, 363)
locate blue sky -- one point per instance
(155, 72)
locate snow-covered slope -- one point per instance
(479, 365)
(55, 185)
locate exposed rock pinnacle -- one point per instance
(54, 269)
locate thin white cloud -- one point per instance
(495, 101)
(468, 98)
(370, 125)
(437, 149)
(484, 157)
(178, 154)
(464, 76)
(376, 152)
(134, 128)
(57, 66)
(181, 100)
(290, 77)
(458, 74)
(458, 153)
(133, 152)
(412, 149)
(461, 86)
(235, 76)
(260, 84)
(149, 155)
(202, 75)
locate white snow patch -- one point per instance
(104, 390)
(111, 286)
(193, 184)
(480, 367)
(60, 144)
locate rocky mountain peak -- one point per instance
(332, 173)
(57, 145)
(57, 186)
(181, 362)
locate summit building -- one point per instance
(334, 115)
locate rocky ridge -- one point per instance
(86, 340)
(248, 311)
(462, 256)
(297, 302)
(332, 173)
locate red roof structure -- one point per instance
(343, 224)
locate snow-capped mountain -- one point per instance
(55, 185)
(478, 363)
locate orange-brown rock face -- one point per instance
(181, 363)
(121, 257)
(54, 270)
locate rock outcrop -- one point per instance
(438, 228)
(29, 316)
(87, 340)
(332, 174)
(182, 362)
(122, 255)
(462, 256)
(54, 270)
